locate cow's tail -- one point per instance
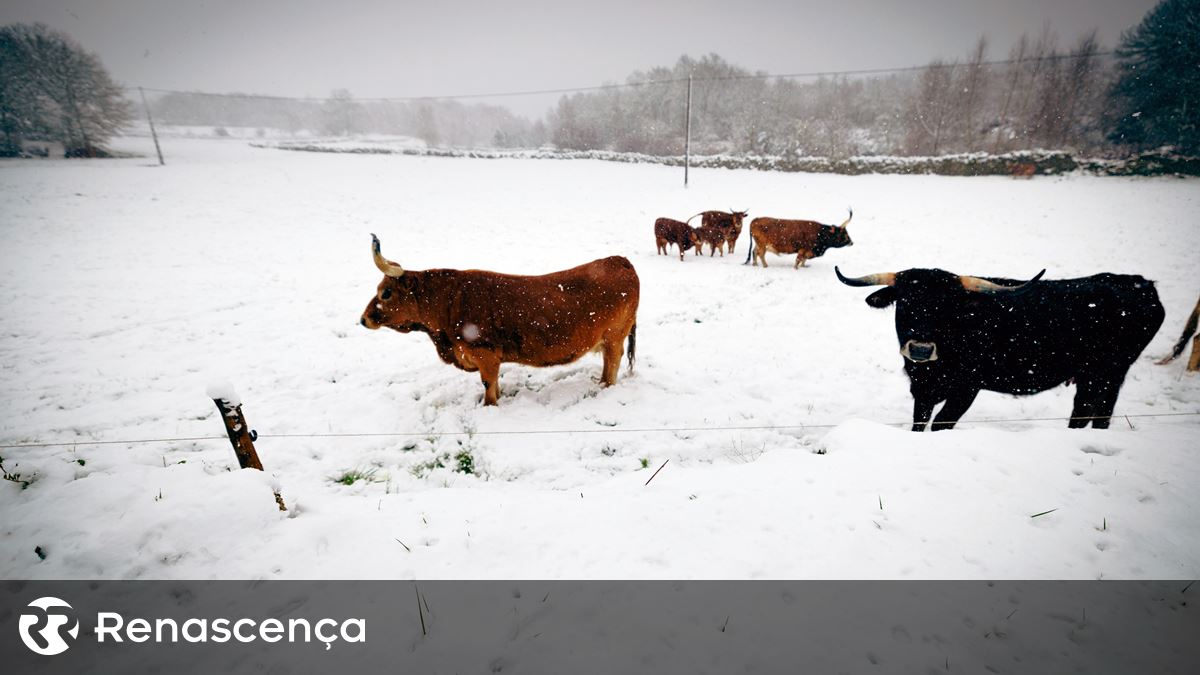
(1188, 330)
(631, 346)
(750, 254)
(693, 217)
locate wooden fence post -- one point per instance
(241, 437)
(153, 133)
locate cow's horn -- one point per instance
(386, 266)
(977, 285)
(881, 279)
(847, 221)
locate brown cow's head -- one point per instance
(738, 216)
(395, 302)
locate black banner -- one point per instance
(606, 627)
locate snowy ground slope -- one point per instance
(130, 288)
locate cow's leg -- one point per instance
(1105, 401)
(1085, 403)
(1194, 361)
(721, 245)
(956, 405)
(614, 349)
(761, 253)
(489, 373)
(922, 410)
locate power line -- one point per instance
(607, 430)
(646, 83)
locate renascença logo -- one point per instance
(42, 630)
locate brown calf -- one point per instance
(478, 320)
(668, 231)
(712, 235)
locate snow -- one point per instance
(773, 392)
(224, 390)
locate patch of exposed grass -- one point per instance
(352, 476)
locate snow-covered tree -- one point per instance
(50, 87)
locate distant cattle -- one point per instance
(806, 238)
(1022, 169)
(729, 224)
(478, 320)
(668, 231)
(960, 335)
(1189, 329)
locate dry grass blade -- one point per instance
(656, 472)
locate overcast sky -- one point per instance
(377, 48)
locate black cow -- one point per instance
(960, 335)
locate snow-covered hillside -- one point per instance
(130, 288)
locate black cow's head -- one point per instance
(833, 236)
(395, 301)
(927, 303)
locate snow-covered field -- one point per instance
(129, 288)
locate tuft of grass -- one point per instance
(422, 469)
(15, 477)
(352, 476)
(464, 462)
(645, 462)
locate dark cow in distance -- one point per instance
(806, 238)
(478, 320)
(960, 335)
(728, 224)
(668, 231)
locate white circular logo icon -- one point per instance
(42, 630)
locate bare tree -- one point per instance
(971, 90)
(931, 108)
(341, 113)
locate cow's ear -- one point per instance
(882, 297)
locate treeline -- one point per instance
(437, 122)
(1046, 97)
(1040, 94)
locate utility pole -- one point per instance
(153, 133)
(687, 134)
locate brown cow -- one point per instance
(668, 231)
(1189, 329)
(806, 238)
(730, 224)
(478, 320)
(712, 235)
(1022, 169)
